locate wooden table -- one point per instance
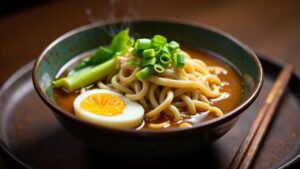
(272, 27)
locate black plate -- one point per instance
(32, 136)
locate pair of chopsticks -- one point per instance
(248, 149)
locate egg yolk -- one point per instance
(105, 104)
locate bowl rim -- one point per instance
(207, 124)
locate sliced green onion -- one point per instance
(135, 62)
(159, 68)
(174, 45)
(149, 53)
(180, 60)
(174, 56)
(145, 73)
(158, 51)
(165, 59)
(143, 44)
(158, 40)
(165, 49)
(137, 53)
(157, 55)
(150, 61)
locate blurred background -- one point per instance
(28, 26)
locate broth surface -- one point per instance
(233, 89)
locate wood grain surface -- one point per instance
(269, 27)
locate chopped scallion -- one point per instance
(165, 59)
(156, 55)
(158, 40)
(137, 53)
(159, 68)
(150, 61)
(174, 45)
(143, 44)
(164, 49)
(145, 73)
(135, 62)
(180, 60)
(149, 53)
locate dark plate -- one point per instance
(32, 136)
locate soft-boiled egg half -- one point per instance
(108, 108)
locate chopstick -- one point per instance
(248, 149)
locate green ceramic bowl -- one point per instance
(147, 143)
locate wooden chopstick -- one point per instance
(248, 149)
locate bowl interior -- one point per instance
(196, 37)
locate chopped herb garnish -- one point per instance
(157, 54)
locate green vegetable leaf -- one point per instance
(119, 45)
(102, 54)
(121, 42)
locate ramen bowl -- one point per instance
(147, 143)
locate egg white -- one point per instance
(131, 116)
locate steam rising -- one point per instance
(121, 10)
